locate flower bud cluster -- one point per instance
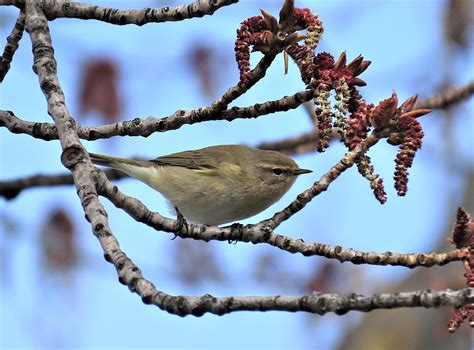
(463, 237)
(352, 117)
(410, 142)
(405, 132)
(366, 169)
(247, 35)
(266, 34)
(323, 114)
(304, 19)
(303, 56)
(358, 125)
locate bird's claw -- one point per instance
(237, 232)
(180, 223)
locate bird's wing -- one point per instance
(195, 160)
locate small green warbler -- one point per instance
(214, 185)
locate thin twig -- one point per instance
(314, 303)
(322, 185)
(252, 78)
(447, 97)
(12, 44)
(11, 189)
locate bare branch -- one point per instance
(259, 233)
(146, 127)
(11, 189)
(130, 275)
(301, 144)
(13, 41)
(68, 9)
(150, 125)
(447, 97)
(44, 131)
(252, 78)
(315, 303)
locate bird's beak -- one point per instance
(302, 171)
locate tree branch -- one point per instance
(315, 303)
(301, 144)
(89, 181)
(447, 97)
(148, 126)
(258, 233)
(322, 185)
(253, 77)
(74, 157)
(11, 189)
(145, 127)
(68, 9)
(13, 41)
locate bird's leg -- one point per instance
(237, 232)
(180, 223)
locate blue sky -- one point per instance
(90, 309)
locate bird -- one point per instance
(214, 185)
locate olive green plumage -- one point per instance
(217, 184)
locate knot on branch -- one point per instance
(72, 155)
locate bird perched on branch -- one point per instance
(214, 185)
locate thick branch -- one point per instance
(13, 41)
(74, 157)
(68, 9)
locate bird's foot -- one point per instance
(237, 232)
(180, 223)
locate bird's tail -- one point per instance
(116, 162)
(142, 170)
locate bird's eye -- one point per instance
(277, 171)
